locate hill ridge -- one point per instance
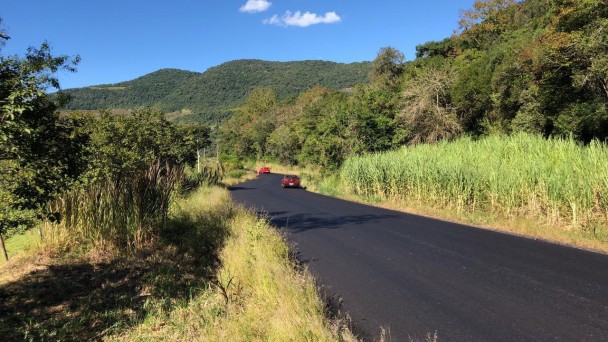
(211, 95)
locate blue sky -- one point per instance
(119, 40)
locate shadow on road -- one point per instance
(240, 188)
(296, 223)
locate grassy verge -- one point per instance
(553, 190)
(257, 294)
(20, 243)
(216, 272)
(238, 176)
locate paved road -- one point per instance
(413, 275)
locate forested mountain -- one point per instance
(533, 66)
(210, 96)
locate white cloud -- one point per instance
(254, 6)
(303, 19)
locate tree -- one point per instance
(446, 48)
(122, 145)
(245, 134)
(564, 71)
(387, 68)
(40, 151)
(283, 145)
(373, 111)
(485, 20)
(428, 115)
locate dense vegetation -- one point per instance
(532, 66)
(134, 166)
(106, 179)
(139, 241)
(565, 186)
(172, 289)
(41, 153)
(210, 96)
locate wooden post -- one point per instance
(3, 248)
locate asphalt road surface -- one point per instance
(414, 275)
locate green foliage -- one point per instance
(211, 96)
(530, 66)
(564, 186)
(445, 48)
(387, 67)
(482, 24)
(543, 69)
(40, 151)
(248, 129)
(321, 126)
(123, 144)
(283, 145)
(373, 110)
(135, 163)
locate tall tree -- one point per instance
(388, 67)
(428, 114)
(488, 18)
(247, 131)
(40, 151)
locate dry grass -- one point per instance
(232, 179)
(214, 273)
(93, 293)
(257, 295)
(178, 114)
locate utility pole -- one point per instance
(198, 158)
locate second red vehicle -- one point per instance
(290, 181)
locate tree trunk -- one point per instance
(3, 248)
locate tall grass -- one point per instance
(216, 272)
(209, 174)
(125, 211)
(557, 181)
(120, 212)
(258, 293)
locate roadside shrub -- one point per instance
(135, 163)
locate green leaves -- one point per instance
(387, 68)
(40, 151)
(125, 144)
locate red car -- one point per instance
(290, 181)
(264, 169)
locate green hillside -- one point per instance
(210, 96)
(535, 66)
